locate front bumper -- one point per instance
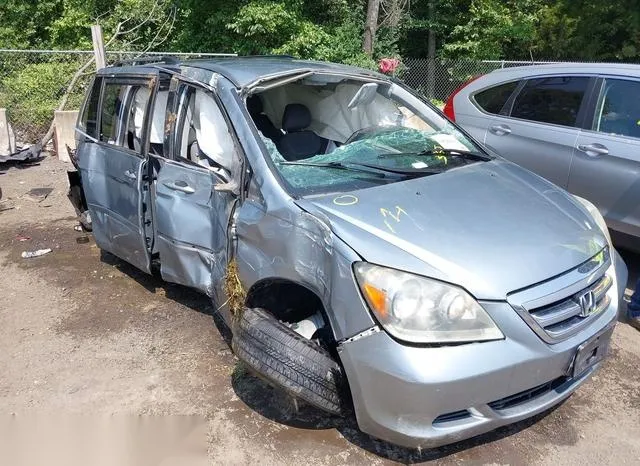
(431, 396)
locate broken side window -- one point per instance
(88, 122)
(122, 117)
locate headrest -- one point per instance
(254, 105)
(296, 117)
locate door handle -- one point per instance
(593, 150)
(180, 186)
(500, 130)
(129, 174)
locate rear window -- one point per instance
(493, 99)
(555, 100)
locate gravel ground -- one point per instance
(83, 332)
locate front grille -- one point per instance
(527, 395)
(562, 306)
(563, 318)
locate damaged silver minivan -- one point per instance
(367, 254)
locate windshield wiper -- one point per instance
(442, 152)
(371, 169)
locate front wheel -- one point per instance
(288, 360)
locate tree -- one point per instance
(370, 26)
(325, 29)
(495, 29)
(590, 30)
(128, 29)
(137, 24)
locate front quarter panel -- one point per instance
(294, 245)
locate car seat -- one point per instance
(298, 142)
(262, 121)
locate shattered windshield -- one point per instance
(346, 138)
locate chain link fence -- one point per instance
(437, 79)
(33, 82)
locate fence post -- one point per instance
(98, 46)
(431, 51)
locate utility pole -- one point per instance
(371, 26)
(98, 46)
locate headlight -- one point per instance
(597, 216)
(420, 310)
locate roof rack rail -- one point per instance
(148, 60)
(268, 56)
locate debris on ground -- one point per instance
(24, 155)
(85, 220)
(23, 238)
(38, 253)
(82, 239)
(38, 194)
(78, 228)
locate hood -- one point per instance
(491, 227)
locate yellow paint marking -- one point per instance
(345, 200)
(389, 214)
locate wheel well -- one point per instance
(291, 302)
(286, 300)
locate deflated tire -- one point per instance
(289, 361)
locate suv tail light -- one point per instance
(448, 106)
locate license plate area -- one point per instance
(591, 352)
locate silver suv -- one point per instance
(577, 125)
(366, 253)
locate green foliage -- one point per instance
(31, 94)
(590, 30)
(282, 27)
(69, 30)
(309, 41)
(332, 29)
(24, 24)
(202, 26)
(438, 103)
(495, 29)
(264, 25)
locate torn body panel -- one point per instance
(303, 257)
(303, 250)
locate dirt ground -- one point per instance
(83, 332)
